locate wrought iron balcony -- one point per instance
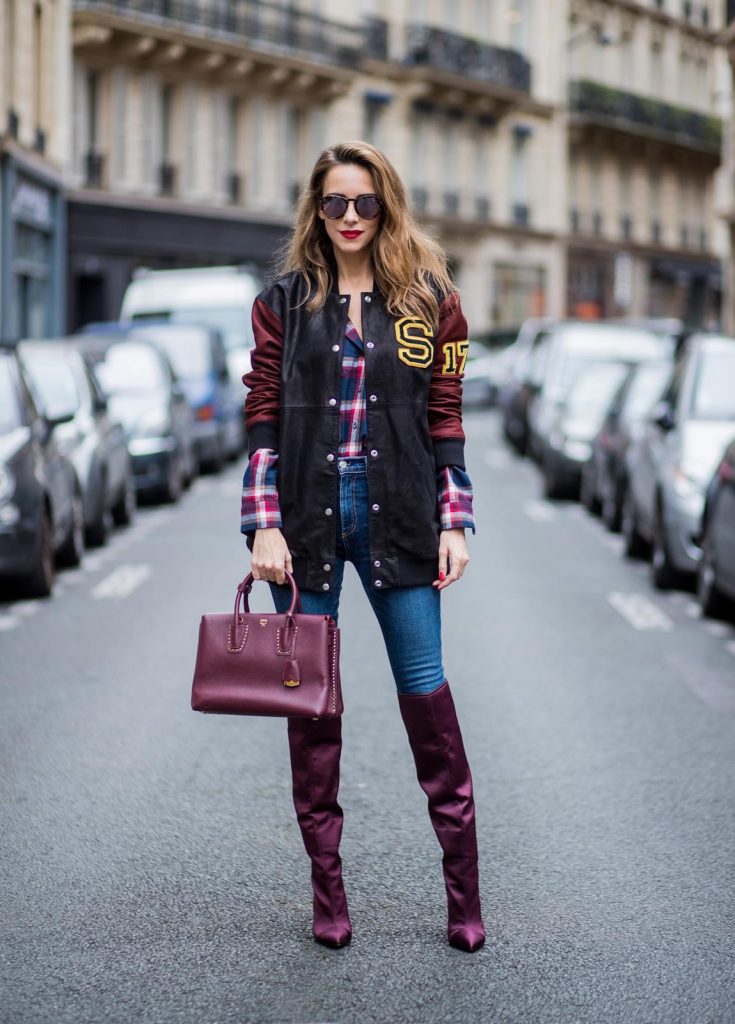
(277, 27)
(461, 55)
(626, 111)
(521, 214)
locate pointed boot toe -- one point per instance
(469, 938)
(333, 935)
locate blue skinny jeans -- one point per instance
(409, 617)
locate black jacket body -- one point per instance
(413, 399)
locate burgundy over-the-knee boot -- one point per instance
(444, 775)
(315, 747)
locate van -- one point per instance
(220, 297)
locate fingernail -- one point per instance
(441, 575)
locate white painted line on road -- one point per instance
(7, 622)
(122, 581)
(693, 609)
(540, 511)
(24, 608)
(640, 612)
(717, 628)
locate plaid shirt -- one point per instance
(260, 508)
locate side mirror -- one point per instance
(662, 415)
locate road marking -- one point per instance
(24, 608)
(540, 511)
(122, 581)
(640, 612)
(717, 628)
(91, 563)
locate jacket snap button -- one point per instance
(376, 507)
(327, 511)
(343, 299)
(367, 298)
(370, 344)
(374, 453)
(373, 398)
(335, 348)
(332, 401)
(327, 567)
(376, 563)
(330, 457)
(325, 586)
(378, 583)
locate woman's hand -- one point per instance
(270, 556)
(453, 557)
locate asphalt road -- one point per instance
(151, 869)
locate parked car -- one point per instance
(92, 440)
(41, 521)
(716, 571)
(622, 424)
(559, 355)
(198, 357)
(672, 462)
(514, 390)
(221, 297)
(145, 395)
(576, 422)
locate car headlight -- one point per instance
(154, 423)
(7, 484)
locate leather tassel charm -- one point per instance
(292, 673)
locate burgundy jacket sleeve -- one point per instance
(445, 389)
(262, 402)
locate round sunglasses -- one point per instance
(335, 206)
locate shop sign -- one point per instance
(32, 202)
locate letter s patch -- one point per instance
(415, 343)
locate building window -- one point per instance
(419, 150)
(520, 174)
(656, 67)
(119, 125)
(38, 105)
(519, 292)
(373, 117)
(234, 178)
(257, 149)
(625, 190)
(519, 16)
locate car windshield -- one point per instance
(594, 386)
(131, 369)
(595, 343)
(645, 388)
(188, 349)
(52, 380)
(714, 386)
(232, 321)
(9, 410)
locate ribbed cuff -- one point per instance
(449, 451)
(263, 435)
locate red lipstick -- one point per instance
(350, 234)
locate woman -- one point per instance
(356, 454)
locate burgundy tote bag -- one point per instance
(274, 664)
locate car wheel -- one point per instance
(587, 495)
(71, 551)
(714, 603)
(123, 511)
(175, 482)
(664, 575)
(99, 529)
(611, 510)
(39, 582)
(635, 545)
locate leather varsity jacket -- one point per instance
(413, 379)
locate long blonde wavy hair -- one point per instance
(405, 259)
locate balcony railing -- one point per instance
(420, 198)
(521, 214)
(260, 23)
(462, 55)
(629, 111)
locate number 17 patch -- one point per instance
(455, 357)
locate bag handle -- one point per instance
(244, 588)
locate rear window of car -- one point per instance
(645, 388)
(10, 417)
(52, 380)
(713, 396)
(131, 368)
